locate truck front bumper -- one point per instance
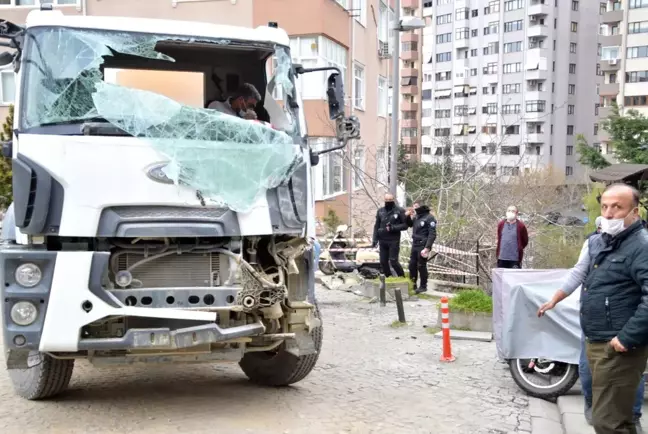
(70, 296)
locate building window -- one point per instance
(442, 132)
(359, 89)
(572, 47)
(492, 8)
(513, 47)
(473, 52)
(574, 26)
(636, 4)
(492, 29)
(511, 88)
(571, 89)
(426, 113)
(8, 87)
(381, 165)
(513, 26)
(474, 33)
(570, 109)
(511, 68)
(474, 13)
(493, 48)
(360, 11)
(637, 77)
(572, 68)
(444, 57)
(382, 96)
(635, 52)
(511, 130)
(443, 76)
(574, 5)
(409, 132)
(444, 38)
(334, 171)
(569, 171)
(512, 5)
(636, 100)
(462, 14)
(511, 109)
(535, 106)
(444, 19)
(570, 150)
(462, 33)
(570, 130)
(638, 27)
(442, 114)
(358, 167)
(490, 68)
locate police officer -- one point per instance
(390, 221)
(423, 236)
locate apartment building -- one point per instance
(508, 84)
(350, 35)
(623, 66)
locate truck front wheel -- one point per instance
(282, 368)
(47, 378)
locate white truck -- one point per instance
(145, 227)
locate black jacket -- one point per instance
(395, 218)
(614, 295)
(424, 227)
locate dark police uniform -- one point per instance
(390, 221)
(423, 235)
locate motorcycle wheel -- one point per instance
(523, 370)
(327, 268)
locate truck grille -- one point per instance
(185, 270)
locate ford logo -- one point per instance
(156, 173)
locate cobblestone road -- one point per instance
(370, 378)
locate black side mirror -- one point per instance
(314, 159)
(335, 94)
(6, 58)
(7, 149)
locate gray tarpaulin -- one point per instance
(519, 333)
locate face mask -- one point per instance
(613, 226)
(510, 216)
(389, 205)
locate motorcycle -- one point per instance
(526, 371)
(335, 257)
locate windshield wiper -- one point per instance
(96, 126)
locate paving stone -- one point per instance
(545, 426)
(575, 423)
(539, 408)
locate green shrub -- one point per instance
(474, 300)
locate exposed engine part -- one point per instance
(255, 295)
(272, 312)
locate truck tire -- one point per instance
(45, 380)
(282, 368)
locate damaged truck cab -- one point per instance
(146, 227)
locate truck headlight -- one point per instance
(24, 313)
(28, 275)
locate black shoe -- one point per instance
(420, 290)
(588, 414)
(637, 423)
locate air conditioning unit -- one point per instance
(613, 61)
(383, 50)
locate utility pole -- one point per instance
(393, 169)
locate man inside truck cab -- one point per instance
(241, 104)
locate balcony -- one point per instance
(610, 17)
(534, 95)
(410, 4)
(536, 137)
(409, 37)
(609, 89)
(535, 116)
(410, 55)
(604, 113)
(409, 106)
(538, 31)
(409, 72)
(603, 135)
(409, 141)
(610, 40)
(462, 44)
(610, 65)
(538, 8)
(409, 90)
(409, 123)
(536, 74)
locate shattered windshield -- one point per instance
(231, 161)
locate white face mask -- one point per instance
(613, 226)
(510, 215)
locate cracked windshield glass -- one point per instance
(123, 80)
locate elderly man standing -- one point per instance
(614, 309)
(512, 239)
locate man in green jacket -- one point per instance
(614, 309)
